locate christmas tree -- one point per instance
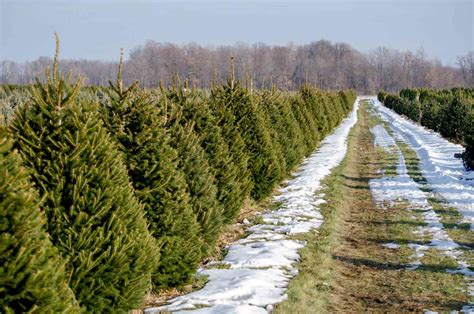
(92, 214)
(193, 107)
(32, 273)
(137, 125)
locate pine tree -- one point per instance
(266, 103)
(250, 122)
(92, 214)
(193, 107)
(32, 274)
(201, 184)
(226, 121)
(135, 122)
(287, 129)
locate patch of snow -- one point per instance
(445, 174)
(261, 265)
(228, 309)
(391, 245)
(403, 188)
(398, 188)
(419, 253)
(382, 138)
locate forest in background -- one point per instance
(323, 64)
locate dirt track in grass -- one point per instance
(346, 267)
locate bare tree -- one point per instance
(466, 64)
(322, 63)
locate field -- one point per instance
(236, 178)
(280, 198)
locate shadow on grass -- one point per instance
(389, 265)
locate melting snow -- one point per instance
(261, 265)
(445, 174)
(398, 188)
(451, 183)
(391, 245)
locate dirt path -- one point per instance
(362, 257)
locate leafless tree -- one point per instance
(322, 63)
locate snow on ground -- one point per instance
(444, 173)
(402, 188)
(260, 266)
(382, 138)
(391, 245)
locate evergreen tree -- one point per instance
(292, 140)
(226, 121)
(317, 110)
(250, 122)
(135, 122)
(266, 103)
(276, 121)
(32, 274)
(201, 184)
(456, 116)
(307, 124)
(194, 107)
(93, 216)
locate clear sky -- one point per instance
(97, 29)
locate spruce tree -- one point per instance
(250, 122)
(220, 98)
(194, 107)
(266, 103)
(286, 127)
(32, 273)
(318, 114)
(201, 184)
(305, 121)
(137, 125)
(92, 214)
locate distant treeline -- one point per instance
(325, 65)
(449, 112)
(108, 192)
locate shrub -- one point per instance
(381, 96)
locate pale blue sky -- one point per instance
(97, 29)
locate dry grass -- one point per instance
(345, 268)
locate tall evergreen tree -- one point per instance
(136, 123)
(226, 120)
(306, 122)
(288, 132)
(93, 216)
(201, 184)
(32, 274)
(317, 111)
(266, 103)
(193, 107)
(251, 124)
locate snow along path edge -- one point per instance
(444, 173)
(393, 189)
(260, 266)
